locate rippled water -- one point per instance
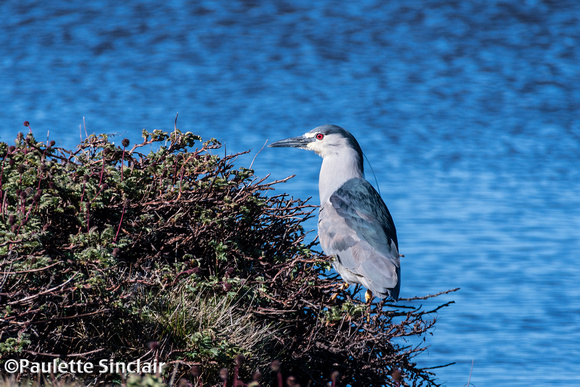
(467, 111)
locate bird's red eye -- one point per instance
(319, 136)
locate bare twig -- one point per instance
(33, 296)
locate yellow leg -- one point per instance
(368, 296)
(342, 287)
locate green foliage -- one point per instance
(14, 345)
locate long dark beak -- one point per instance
(294, 142)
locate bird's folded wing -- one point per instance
(363, 210)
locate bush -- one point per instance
(176, 256)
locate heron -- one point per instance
(354, 223)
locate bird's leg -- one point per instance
(368, 296)
(342, 287)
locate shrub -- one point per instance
(110, 253)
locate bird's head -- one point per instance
(325, 140)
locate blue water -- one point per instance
(467, 111)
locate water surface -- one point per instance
(467, 111)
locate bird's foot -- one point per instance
(342, 287)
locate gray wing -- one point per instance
(358, 229)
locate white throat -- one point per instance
(336, 170)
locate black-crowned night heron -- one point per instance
(354, 224)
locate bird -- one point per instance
(354, 223)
